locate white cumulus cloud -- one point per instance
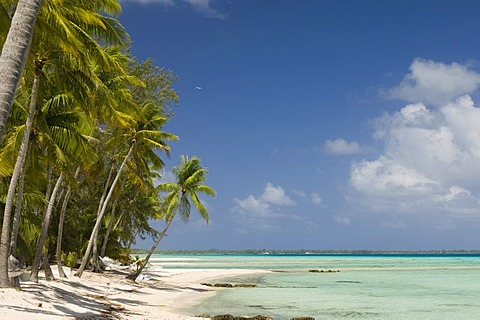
(436, 83)
(276, 196)
(263, 211)
(342, 147)
(429, 162)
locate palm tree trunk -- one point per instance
(19, 164)
(61, 222)
(15, 281)
(46, 266)
(152, 249)
(118, 221)
(48, 191)
(95, 261)
(109, 229)
(96, 228)
(13, 56)
(18, 211)
(45, 224)
(96, 265)
(105, 190)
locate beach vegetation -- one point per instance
(82, 139)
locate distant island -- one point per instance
(306, 252)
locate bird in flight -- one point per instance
(198, 88)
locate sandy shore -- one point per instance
(166, 295)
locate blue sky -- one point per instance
(324, 124)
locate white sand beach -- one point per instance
(165, 295)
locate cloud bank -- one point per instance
(431, 155)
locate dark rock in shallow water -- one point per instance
(323, 271)
(229, 285)
(245, 285)
(303, 318)
(230, 317)
(223, 285)
(223, 317)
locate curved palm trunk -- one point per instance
(109, 229)
(43, 235)
(96, 267)
(19, 164)
(13, 56)
(105, 190)
(152, 249)
(96, 228)
(61, 222)
(118, 221)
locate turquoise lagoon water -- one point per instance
(367, 286)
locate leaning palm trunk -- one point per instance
(12, 59)
(96, 228)
(19, 164)
(43, 235)
(152, 249)
(109, 229)
(95, 261)
(107, 234)
(118, 221)
(105, 190)
(61, 222)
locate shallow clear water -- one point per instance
(367, 287)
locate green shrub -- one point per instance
(70, 260)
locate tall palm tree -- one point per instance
(190, 176)
(19, 165)
(12, 60)
(143, 136)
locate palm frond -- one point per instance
(206, 190)
(200, 207)
(195, 178)
(184, 208)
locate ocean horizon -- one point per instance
(342, 285)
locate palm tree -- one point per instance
(19, 165)
(12, 61)
(190, 177)
(75, 31)
(143, 136)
